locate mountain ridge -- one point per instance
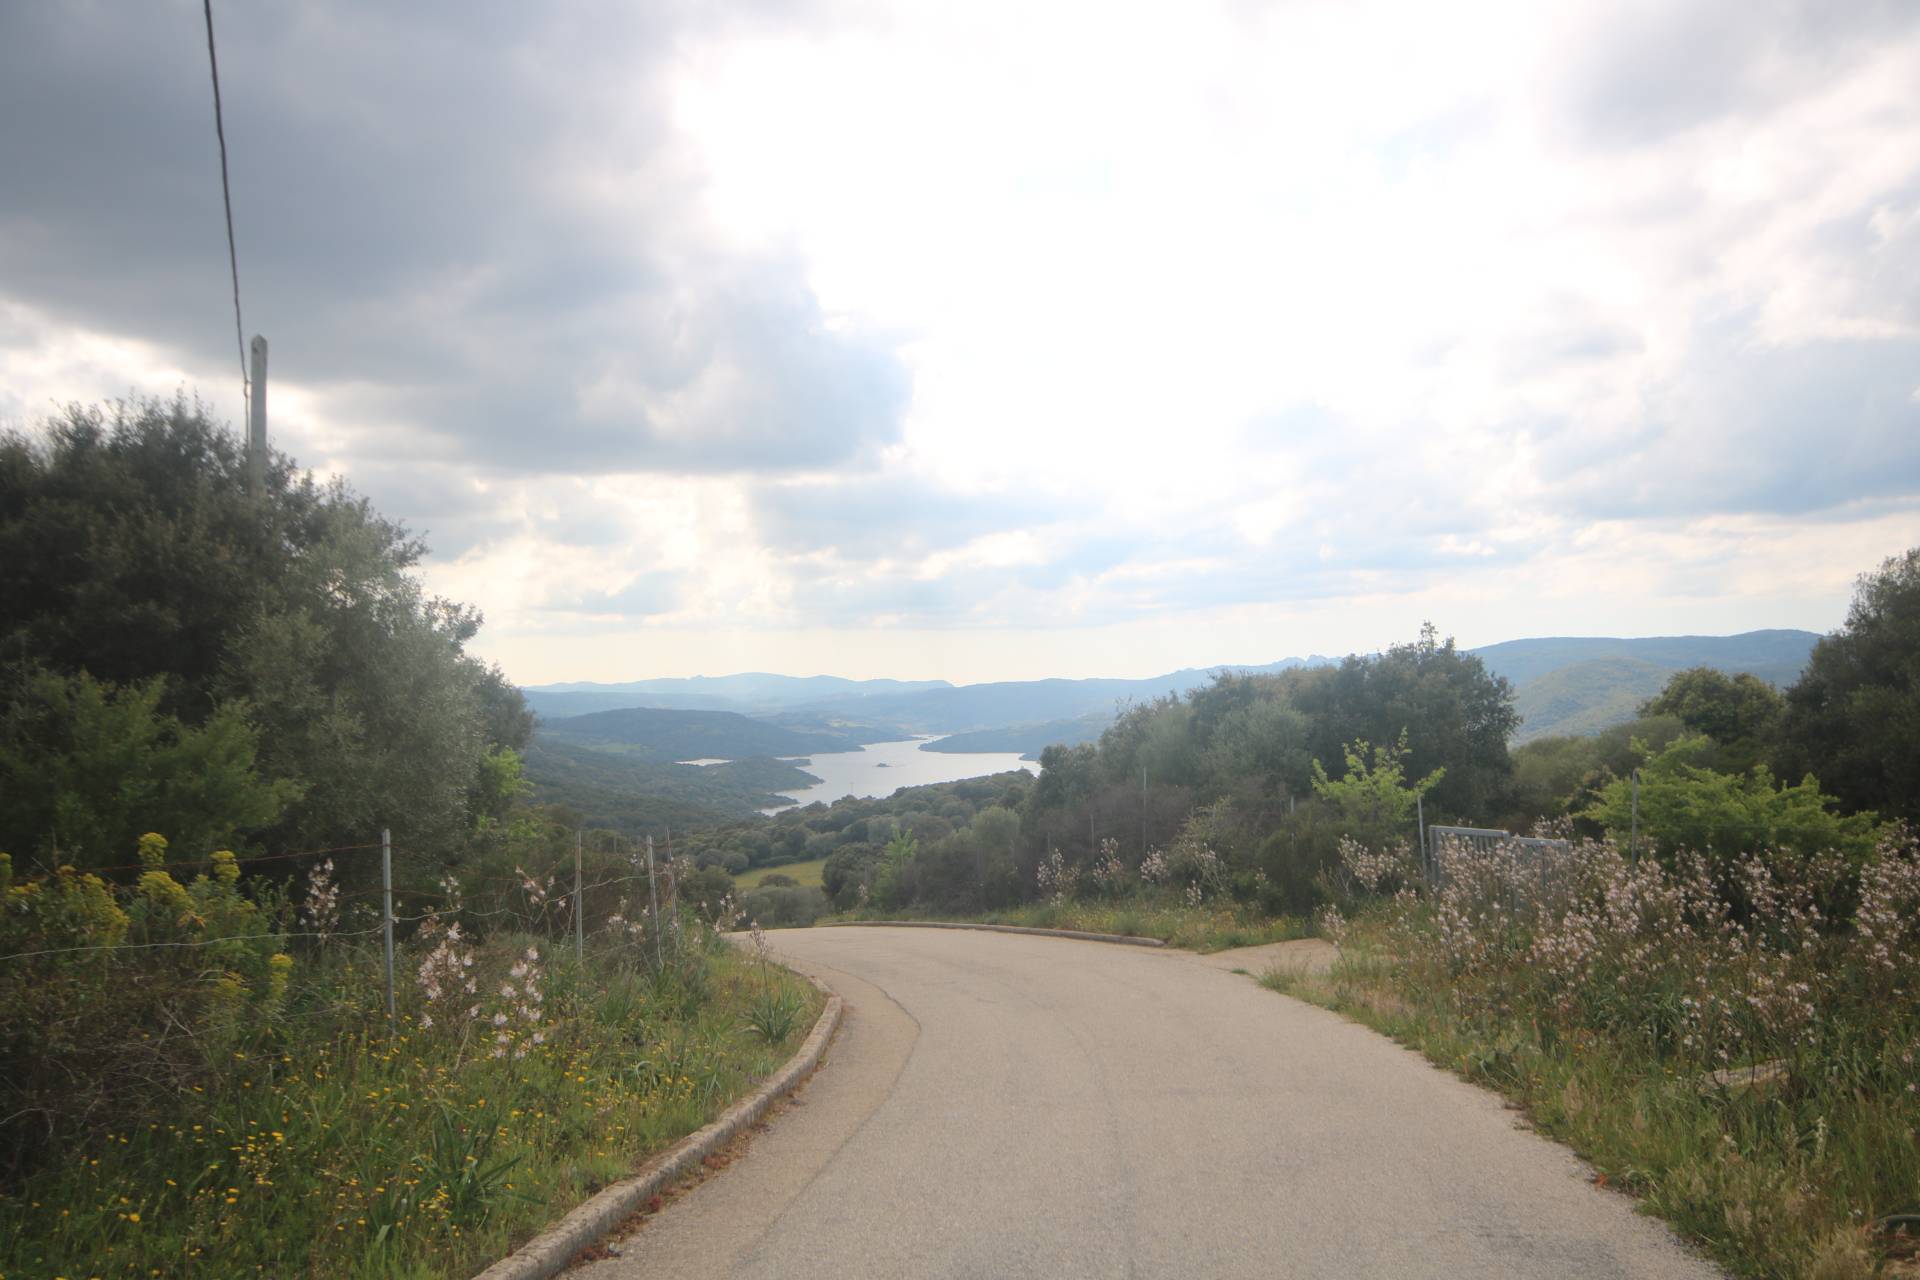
(1563, 684)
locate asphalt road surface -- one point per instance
(1000, 1105)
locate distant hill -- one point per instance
(750, 691)
(557, 706)
(1775, 656)
(1584, 684)
(1563, 684)
(1584, 698)
(663, 736)
(909, 706)
(999, 704)
(1027, 739)
(607, 785)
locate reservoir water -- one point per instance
(880, 768)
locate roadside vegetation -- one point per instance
(213, 706)
(233, 1095)
(201, 1065)
(1733, 1039)
(1705, 981)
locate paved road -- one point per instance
(1000, 1106)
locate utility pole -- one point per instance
(257, 423)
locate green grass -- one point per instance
(803, 873)
(1206, 928)
(323, 1145)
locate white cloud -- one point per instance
(1213, 333)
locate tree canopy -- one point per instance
(132, 555)
(1853, 719)
(1739, 712)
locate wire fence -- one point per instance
(556, 899)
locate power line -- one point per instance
(226, 195)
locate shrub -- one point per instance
(784, 907)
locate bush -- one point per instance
(88, 1034)
(1297, 858)
(1684, 805)
(86, 767)
(1604, 994)
(784, 907)
(222, 1098)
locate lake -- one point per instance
(861, 773)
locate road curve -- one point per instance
(999, 1105)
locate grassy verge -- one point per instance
(1786, 1180)
(320, 1143)
(1204, 928)
(804, 874)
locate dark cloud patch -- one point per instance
(1644, 71)
(468, 224)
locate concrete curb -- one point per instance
(548, 1253)
(1125, 938)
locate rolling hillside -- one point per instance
(664, 736)
(1027, 739)
(1584, 684)
(1562, 685)
(1774, 656)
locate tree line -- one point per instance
(1265, 775)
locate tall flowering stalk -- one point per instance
(320, 908)
(1056, 877)
(446, 980)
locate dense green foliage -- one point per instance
(1853, 720)
(1739, 713)
(1684, 805)
(90, 767)
(216, 1103)
(131, 552)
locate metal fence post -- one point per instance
(1633, 840)
(579, 907)
(653, 897)
(1420, 814)
(386, 889)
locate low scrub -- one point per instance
(186, 1095)
(1715, 1035)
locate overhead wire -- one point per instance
(226, 196)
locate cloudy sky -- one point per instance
(1001, 340)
